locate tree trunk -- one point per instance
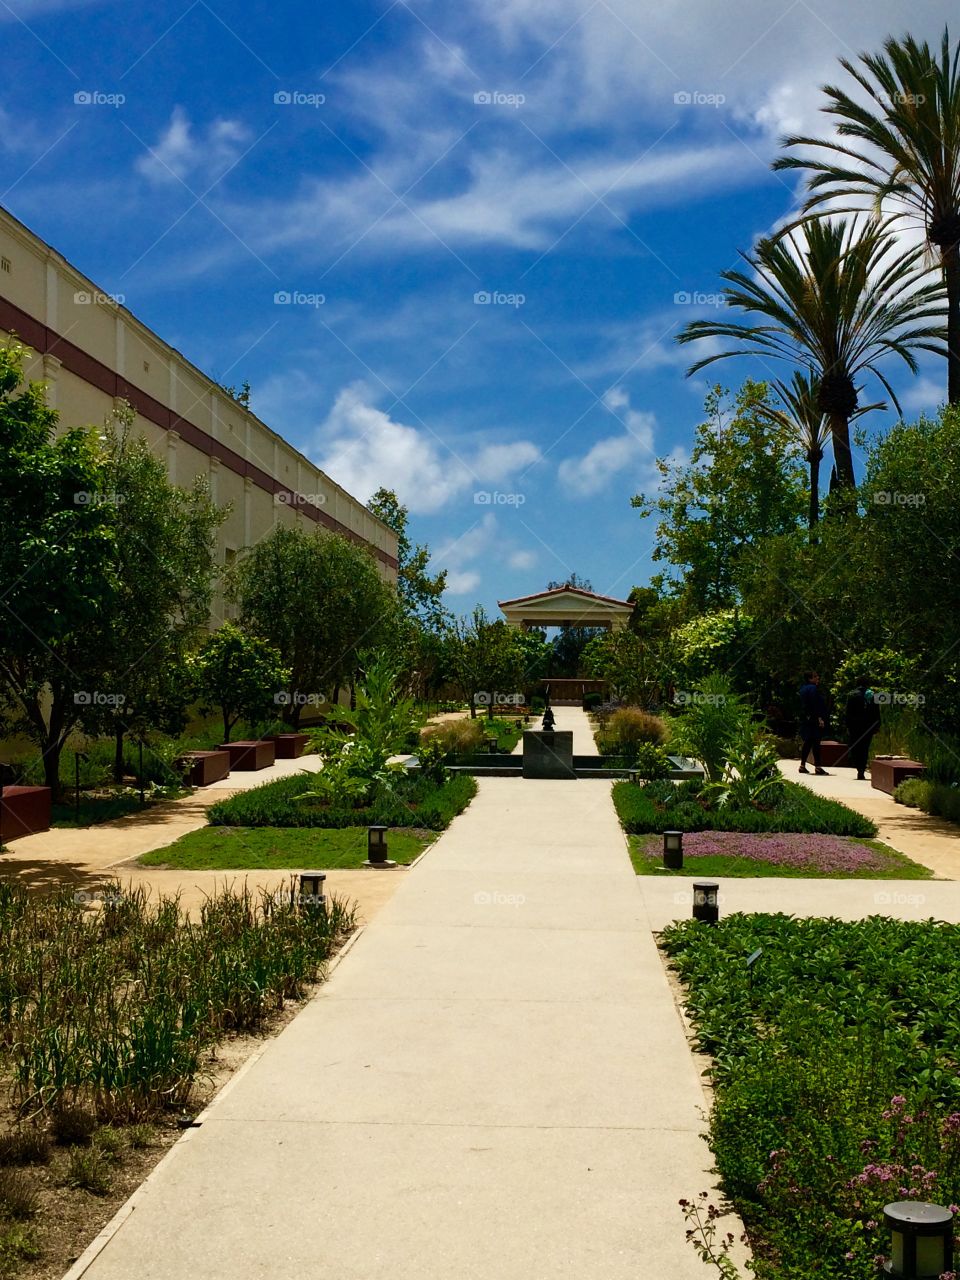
(50, 751)
(118, 733)
(226, 727)
(813, 517)
(842, 455)
(951, 277)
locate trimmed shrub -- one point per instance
(642, 810)
(628, 727)
(410, 802)
(591, 701)
(914, 792)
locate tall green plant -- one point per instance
(713, 717)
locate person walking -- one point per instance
(863, 721)
(813, 721)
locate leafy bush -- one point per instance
(945, 802)
(750, 773)
(408, 801)
(650, 761)
(713, 715)
(914, 792)
(834, 1073)
(591, 701)
(643, 810)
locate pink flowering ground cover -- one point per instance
(772, 853)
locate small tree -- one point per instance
(420, 592)
(241, 675)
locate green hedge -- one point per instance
(413, 802)
(659, 807)
(936, 798)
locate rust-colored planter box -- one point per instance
(204, 767)
(24, 811)
(290, 745)
(887, 772)
(248, 754)
(833, 754)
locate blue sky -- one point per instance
(588, 168)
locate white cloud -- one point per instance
(461, 582)
(180, 151)
(522, 559)
(362, 448)
(925, 394)
(629, 451)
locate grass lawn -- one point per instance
(258, 848)
(731, 853)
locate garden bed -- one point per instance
(408, 802)
(117, 1023)
(256, 848)
(666, 806)
(732, 853)
(833, 1061)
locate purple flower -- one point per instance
(818, 853)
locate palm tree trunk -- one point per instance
(839, 424)
(951, 277)
(813, 517)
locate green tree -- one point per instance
(421, 593)
(744, 482)
(832, 297)
(901, 145)
(57, 562)
(240, 674)
(163, 569)
(633, 664)
(319, 600)
(484, 658)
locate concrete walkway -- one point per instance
(493, 1085)
(930, 841)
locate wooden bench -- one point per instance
(887, 772)
(204, 767)
(290, 746)
(250, 753)
(834, 754)
(24, 811)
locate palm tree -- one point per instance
(804, 419)
(832, 298)
(906, 148)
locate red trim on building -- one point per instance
(46, 341)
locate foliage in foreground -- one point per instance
(111, 1011)
(403, 802)
(668, 806)
(836, 1078)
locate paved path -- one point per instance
(494, 1084)
(930, 841)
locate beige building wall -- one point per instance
(92, 353)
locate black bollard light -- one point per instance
(706, 904)
(921, 1240)
(673, 850)
(377, 848)
(311, 889)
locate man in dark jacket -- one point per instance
(813, 721)
(863, 721)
